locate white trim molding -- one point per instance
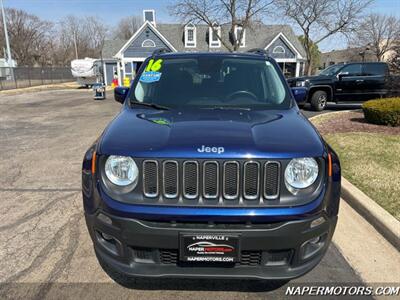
(135, 35)
(190, 44)
(286, 60)
(133, 59)
(214, 43)
(243, 41)
(280, 34)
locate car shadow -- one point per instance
(188, 284)
(217, 285)
(336, 107)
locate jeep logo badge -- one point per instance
(206, 149)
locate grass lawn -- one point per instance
(371, 161)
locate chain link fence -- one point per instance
(20, 77)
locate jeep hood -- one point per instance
(181, 133)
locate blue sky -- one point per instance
(112, 10)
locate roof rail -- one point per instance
(160, 51)
(258, 51)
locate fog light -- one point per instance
(312, 246)
(104, 219)
(109, 242)
(317, 222)
(107, 237)
(314, 240)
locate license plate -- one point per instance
(209, 248)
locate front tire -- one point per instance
(319, 100)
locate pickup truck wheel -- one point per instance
(319, 100)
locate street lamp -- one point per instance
(10, 64)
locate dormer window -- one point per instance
(213, 33)
(238, 32)
(190, 36)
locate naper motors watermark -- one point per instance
(343, 290)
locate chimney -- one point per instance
(150, 16)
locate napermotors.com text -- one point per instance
(342, 291)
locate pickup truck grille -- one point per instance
(211, 182)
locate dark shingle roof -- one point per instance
(258, 36)
(111, 47)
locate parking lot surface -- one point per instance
(46, 251)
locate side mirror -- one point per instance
(299, 93)
(341, 75)
(120, 93)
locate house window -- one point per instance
(148, 43)
(278, 49)
(190, 36)
(213, 37)
(238, 32)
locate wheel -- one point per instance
(319, 100)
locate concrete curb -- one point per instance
(378, 217)
(39, 88)
(373, 213)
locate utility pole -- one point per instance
(10, 64)
(76, 47)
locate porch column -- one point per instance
(119, 73)
(104, 73)
(297, 69)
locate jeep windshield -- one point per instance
(211, 82)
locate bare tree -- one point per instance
(379, 32)
(29, 37)
(320, 19)
(79, 38)
(97, 31)
(127, 27)
(234, 13)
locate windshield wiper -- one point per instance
(152, 105)
(226, 108)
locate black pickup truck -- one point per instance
(345, 83)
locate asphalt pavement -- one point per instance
(46, 251)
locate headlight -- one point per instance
(121, 170)
(300, 173)
(300, 83)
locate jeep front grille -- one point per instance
(150, 178)
(211, 182)
(230, 181)
(190, 179)
(210, 179)
(170, 179)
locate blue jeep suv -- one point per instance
(210, 170)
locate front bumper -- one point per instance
(278, 250)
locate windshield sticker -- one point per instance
(149, 77)
(160, 121)
(154, 65)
